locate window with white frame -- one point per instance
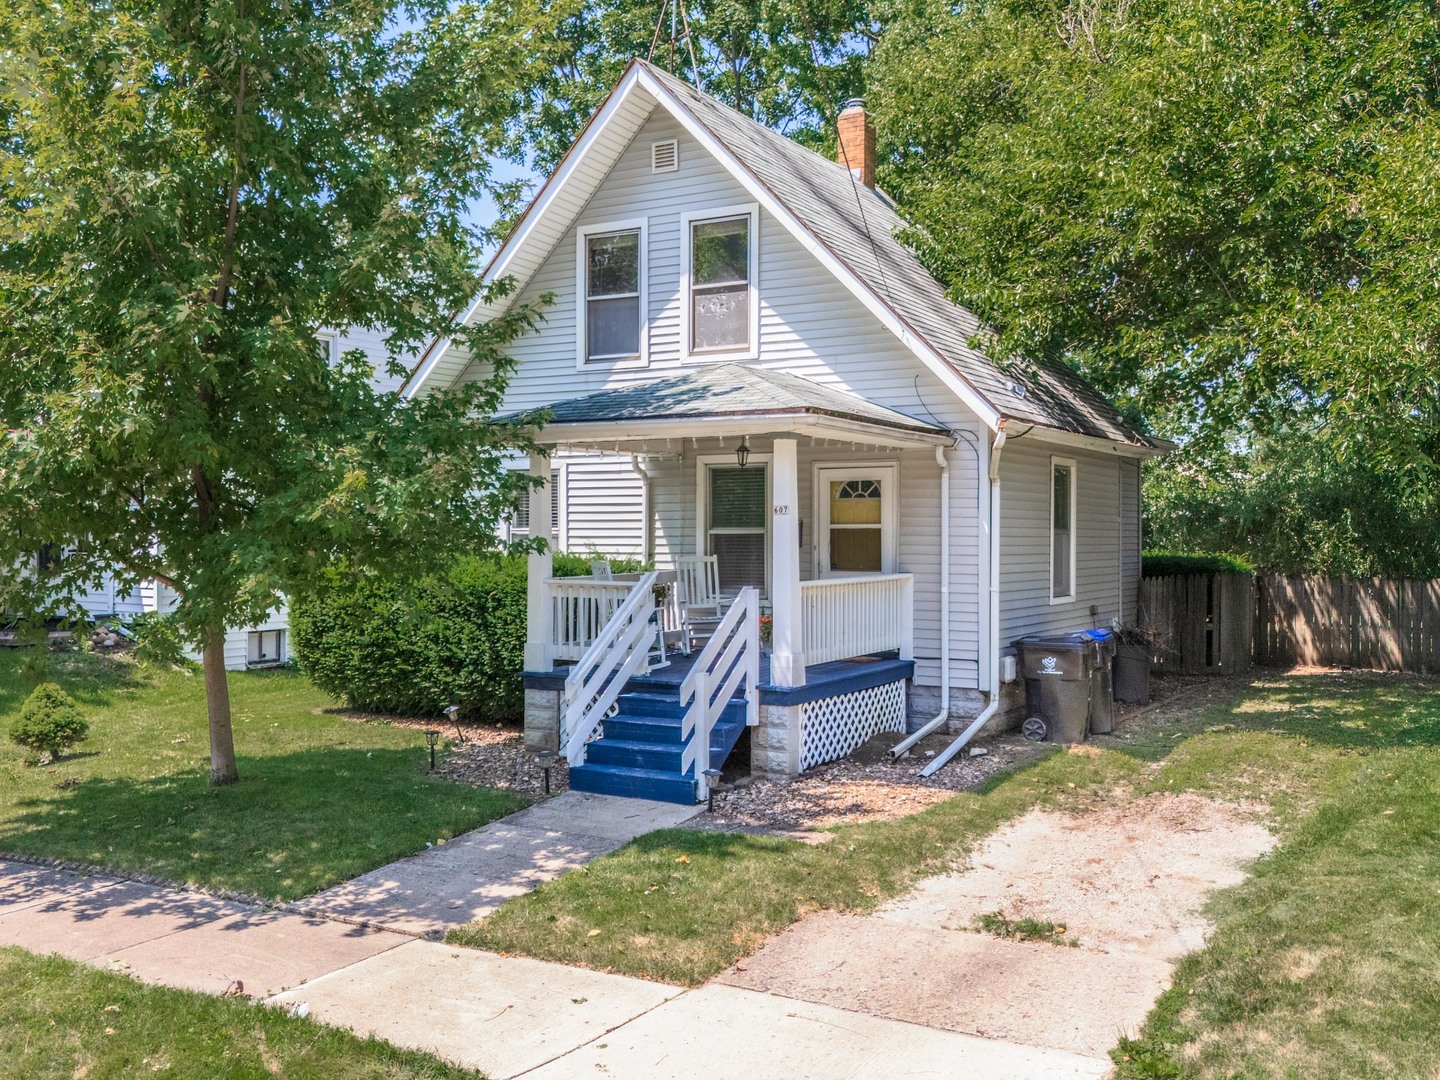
(611, 270)
(721, 311)
(518, 526)
(737, 505)
(329, 345)
(1062, 529)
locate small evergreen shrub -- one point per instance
(157, 640)
(413, 649)
(50, 722)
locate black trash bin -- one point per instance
(1059, 672)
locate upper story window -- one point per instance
(611, 270)
(721, 307)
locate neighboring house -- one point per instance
(906, 509)
(265, 644)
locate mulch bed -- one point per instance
(869, 785)
(486, 755)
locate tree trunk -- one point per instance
(217, 701)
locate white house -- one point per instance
(264, 644)
(746, 372)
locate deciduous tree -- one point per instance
(189, 190)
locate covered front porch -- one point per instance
(780, 591)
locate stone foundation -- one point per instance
(542, 720)
(775, 742)
(965, 705)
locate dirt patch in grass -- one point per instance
(1122, 883)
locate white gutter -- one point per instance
(936, 763)
(930, 725)
(639, 471)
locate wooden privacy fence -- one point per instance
(1379, 623)
(1201, 623)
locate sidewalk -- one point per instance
(509, 1016)
(466, 879)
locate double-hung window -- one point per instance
(611, 272)
(721, 311)
(1062, 530)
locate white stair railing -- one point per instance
(598, 677)
(730, 657)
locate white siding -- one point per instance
(1100, 484)
(809, 325)
(1130, 538)
(372, 343)
(602, 505)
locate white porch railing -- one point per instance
(580, 608)
(854, 616)
(730, 657)
(620, 649)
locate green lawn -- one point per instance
(1322, 964)
(60, 1019)
(321, 798)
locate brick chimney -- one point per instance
(857, 142)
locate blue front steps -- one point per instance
(638, 752)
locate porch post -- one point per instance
(537, 602)
(787, 651)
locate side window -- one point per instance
(611, 273)
(1062, 529)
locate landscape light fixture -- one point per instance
(546, 758)
(451, 712)
(712, 781)
(742, 453)
(431, 738)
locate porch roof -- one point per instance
(731, 399)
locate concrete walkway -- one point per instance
(508, 1016)
(472, 875)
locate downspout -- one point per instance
(930, 725)
(993, 706)
(636, 468)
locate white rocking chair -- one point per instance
(698, 580)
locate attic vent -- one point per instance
(664, 155)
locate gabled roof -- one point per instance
(728, 390)
(850, 229)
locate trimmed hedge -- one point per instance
(414, 649)
(1170, 563)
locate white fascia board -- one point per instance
(619, 432)
(1093, 443)
(973, 399)
(554, 185)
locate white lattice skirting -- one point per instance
(832, 727)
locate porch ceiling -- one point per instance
(727, 400)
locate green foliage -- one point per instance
(1168, 563)
(415, 647)
(1294, 503)
(49, 722)
(787, 63)
(1025, 928)
(187, 194)
(332, 796)
(1225, 214)
(158, 640)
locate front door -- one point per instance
(855, 515)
